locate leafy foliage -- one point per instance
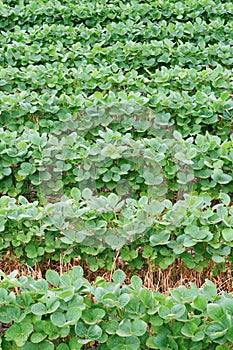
(111, 315)
(115, 140)
(192, 229)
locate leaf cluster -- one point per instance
(67, 312)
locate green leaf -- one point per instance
(225, 198)
(46, 345)
(63, 347)
(94, 332)
(177, 135)
(80, 329)
(74, 345)
(111, 327)
(227, 234)
(136, 283)
(160, 238)
(200, 303)
(76, 272)
(210, 289)
(86, 193)
(129, 343)
(215, 311)
(3, 295)
(151, 179)
(218, 258)
(76, 194)
(150, 343)
(9, 313)
(189, 329)
(123, 300)
(216, 330)
(146, 296)
(229, 335)
(138, 328)
(110, 300)
(161, 340)
(39, 309)
(58, 319)
(67, 294)
(221, 178)
(73, 314)
(38, 337)
(115, 242)
(224, 95)
(19, 333)
(92, 316)
(177, 311)
(52, 304)
(26, 169)
(199, 335)
(119, 276)
(124, 329)
(52, 277)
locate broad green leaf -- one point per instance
(227, 234)
(146, 296)
(73, 314)
(87, 193)
(221, 178)
(123, 300)
(138, 327)
(129, 343)
(136, 282)
(66, 294)
(215, 311)
(58, 319)
(3, 295)
(210, 289)
(160, 238)
(46, 345)
(124, 329)
(37, 337)
(189, 329)
(111, 327)
(94, 332)
(80, 329)
(19, 333)
(92, 316)
(119, 276)
(39, 309)
(200, 303)
(63, 347)
(74, 345)
(216, 330)
(76, 194)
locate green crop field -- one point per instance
(116, 176)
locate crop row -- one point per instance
(51, 71)
(192, 113)
(94, 228)
(200, 30)
(214, 31)
(127, 55)
(198, 99)
(58, 78)
(160, 163)
(116, 141)
(49, 12)
(66, 312)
